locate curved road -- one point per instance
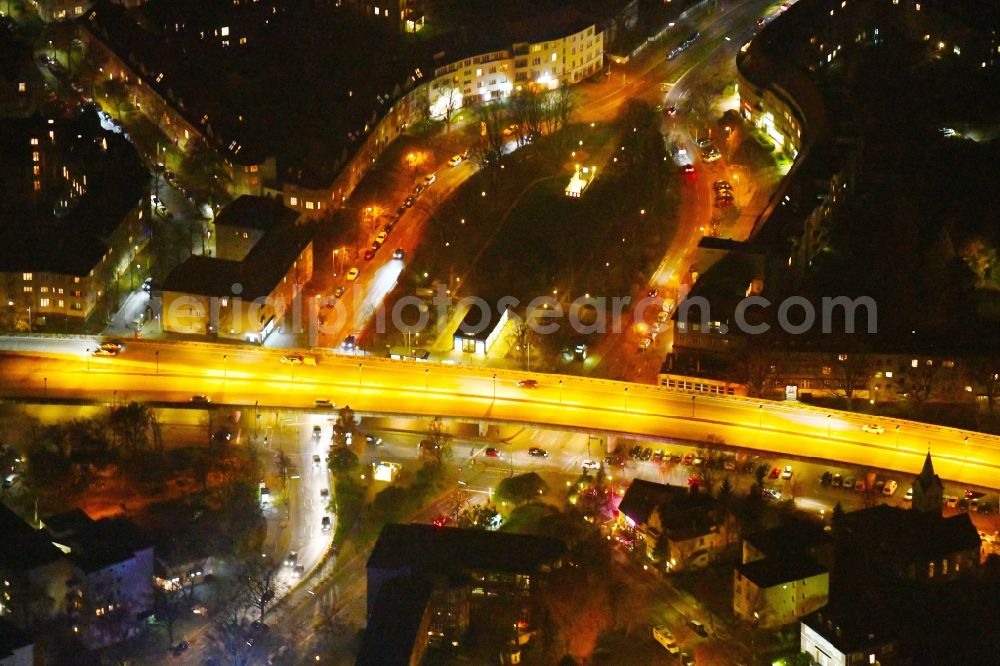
(236, 375)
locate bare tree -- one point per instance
(260, 578)
(919, 383)
(850, 373)
(492, 122)
(436, 445)
(452, 102)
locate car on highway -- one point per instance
(317, 431)
(147, 285)
(350, 342)
(291, 359)
(536, 452)
(382, 235)
(325, 524)
(298, 571)
(323, 403)
(591, 464)
(291, 558)
(492, 452)
(113, 345)
(102, 351)
(441, 520)
(455, 160)
(688, 168)
(759, 22)
(200, 399)
(324, 493)
(373, 440)
(398, 253)
(352, 275)
(339, 291)
(316, 461)
(786, 473)
(873, 428)
(528, 383)
(671, 111)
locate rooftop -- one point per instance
(40, 233)
(851, 629)
(394, 621)
(912, 535)
(429, 549)
(773, 571)
(96, 544)
(255, 213)
(260, 271)
(23, 548)
(642, 497)
(793, 537)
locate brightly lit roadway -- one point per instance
(174, 372)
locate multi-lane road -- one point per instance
(174, 372)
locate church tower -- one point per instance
(928, 493)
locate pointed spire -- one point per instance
(927, 475)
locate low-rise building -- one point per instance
(245, 298)
(33, 573)
(674, 525)
(846, 637)
(777, 591)
(112, 585)
(477, 579)
(480, 330)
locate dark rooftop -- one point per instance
(776, 570)
(792, 538)
(22, 547)
(391, 634)
(911, 535)
(259, 272)
(473, 325)
(851, 629)
(34, 238)
(688, 507)
(448, 550)
(255, 213)
(12, 638)
(98, 544)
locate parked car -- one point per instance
(455, 160)
(889, 489)
(697, 627)
(352, 275)
(382, 235)
(859, 485)
(635, 452)
(663, 636)
(647, 453)
(591, 464)
(786, 474)
(369, 254)
(775, 473)
(536, 452)
(837, 481)
(492, 452)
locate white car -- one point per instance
(787, 472)
(455, 161)
(352, 274)
(873, 428)
(429, 180)
(591, 464)
(889, 489)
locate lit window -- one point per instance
(27, 290)
(27, 277)
(62, 303)
(44, 302)
(293, 201)
(376, 11)
(553, 56)
(35, 156)
(914, 363)
(888, 374)
(309, 205)
(34, 141)
(22, 87)
(225, 31)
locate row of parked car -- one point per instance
(887, 487)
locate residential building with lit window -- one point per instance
(112, 574)
(265, 261)
(75, 215)
(673, 525)
(466, 579)
(22, 89)
(61, 10)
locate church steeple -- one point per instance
(928, 492)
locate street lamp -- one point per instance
(157, 355)
(427, 379)
(626, 399)
(359, 376)
(897, 436)
(494, 386)
(828, 416)
(560, 391)
(225, 366)
(760, 416)
(692, 405)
